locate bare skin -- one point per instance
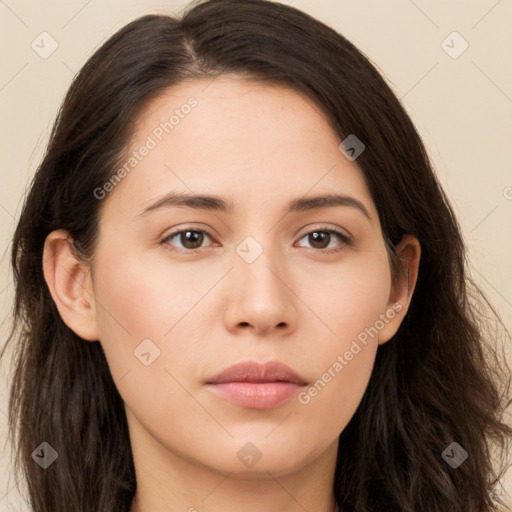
(259, 147)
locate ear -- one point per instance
(70, 284)
(409, 252)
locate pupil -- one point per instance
(194, 236)
(319, 235)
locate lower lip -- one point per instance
(257, 395)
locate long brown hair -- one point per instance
(437, 382)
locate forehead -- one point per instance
(248, 141)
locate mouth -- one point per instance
(253, 395)
(257, 386)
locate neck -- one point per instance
(137, 508)
(167, 482)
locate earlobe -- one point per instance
(409, 252)
(70, 285)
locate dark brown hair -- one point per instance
(438, 381)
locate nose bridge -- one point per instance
(263, 297)
(258, 260)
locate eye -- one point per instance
(321, 238)
(191, 239)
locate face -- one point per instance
(184, 290)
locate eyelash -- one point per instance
(323, 229)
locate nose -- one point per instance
(261, 298)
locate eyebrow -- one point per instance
(217, 204)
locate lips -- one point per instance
(257, 386)
(252, 371)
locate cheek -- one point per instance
(350, 306)
(350, 297)
(138, 302)
(147, 297)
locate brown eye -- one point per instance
(321, 239)
(190, 239)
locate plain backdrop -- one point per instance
(449, 61)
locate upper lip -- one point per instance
(252, 371)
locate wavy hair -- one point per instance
(438, 381)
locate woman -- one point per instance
(239, 286)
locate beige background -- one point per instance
(461, 106)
